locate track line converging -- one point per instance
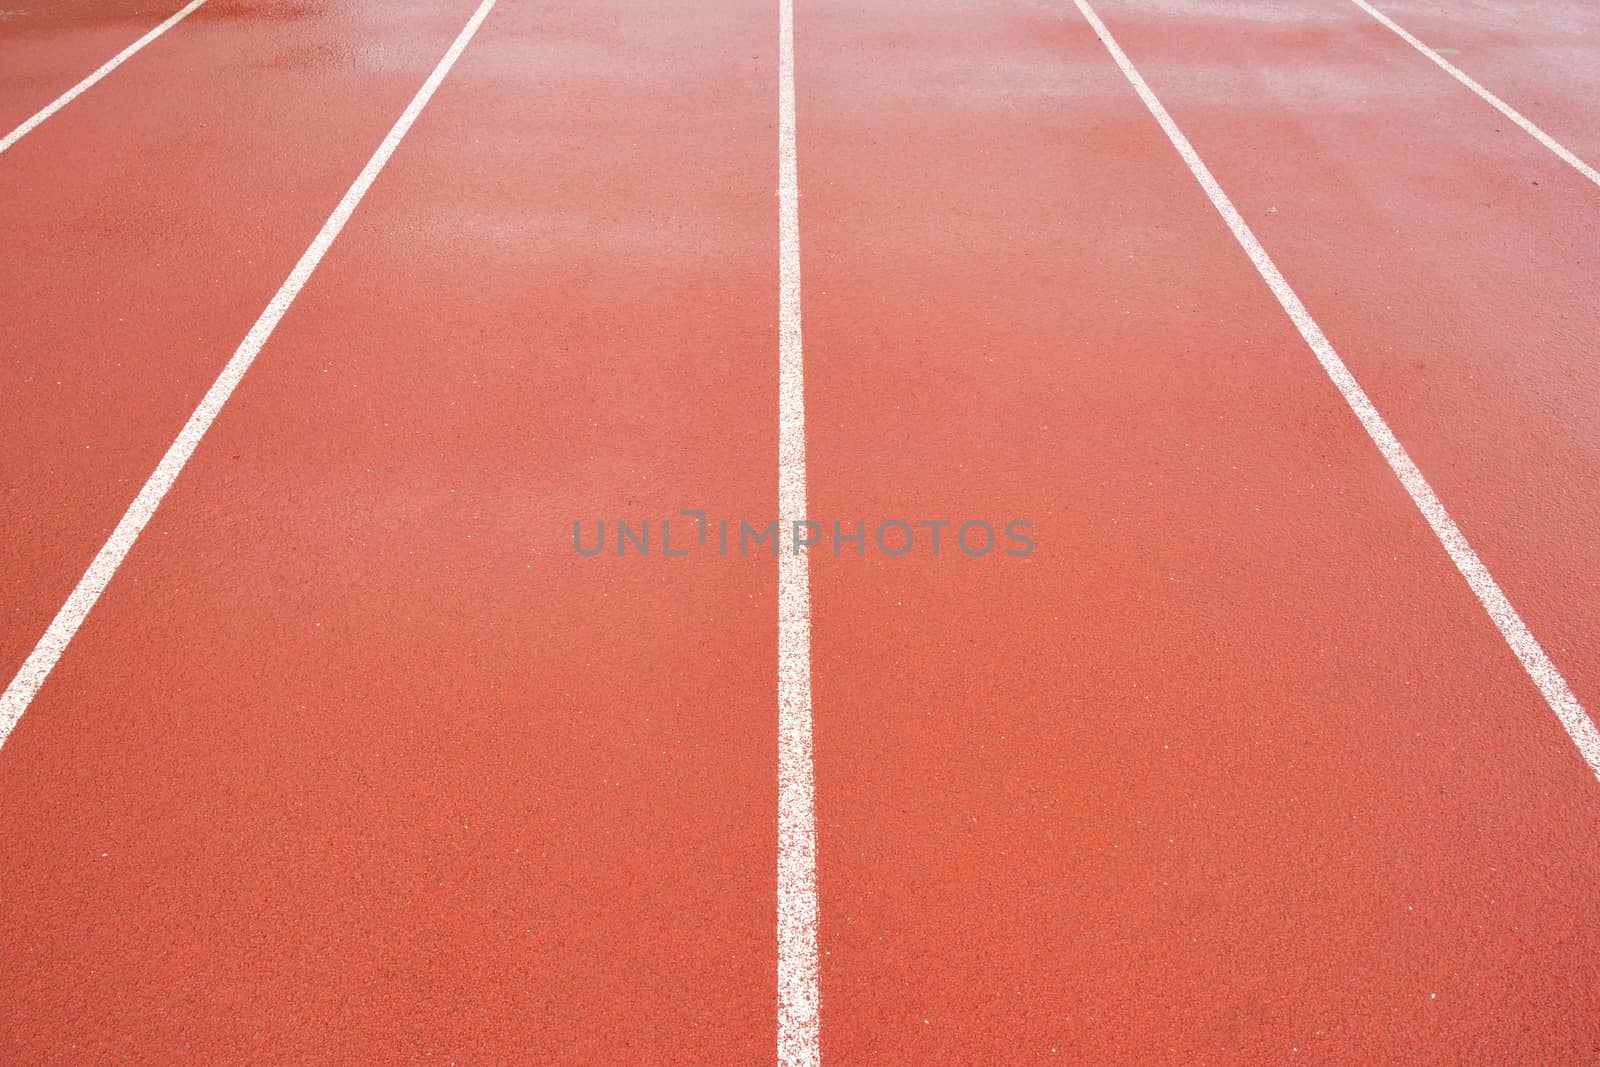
(1574, 719)
(1527, 124)
(48, 651)
(29, 124)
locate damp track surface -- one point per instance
(356, 758)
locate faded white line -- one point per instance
(20, 693)
(1494, 101)
(110, 65)
(1556, 692)
(798, 1018)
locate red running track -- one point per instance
(357, 760)
(1239, 769)
(51, 49)
(1537, 55)
(147, 223)
(378, 774)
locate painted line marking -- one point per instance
(798, 1012)
(88, 83)
(20, 693)
(1557, 694)
(1494, 101)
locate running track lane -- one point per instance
(1459, 289)
(50, 49)
(1542, 57)
(355, 759)
(146, 226)
(1234, 767)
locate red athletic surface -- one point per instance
(357, 761)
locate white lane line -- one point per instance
(1494, 101)
(1557, 694)
(20, 693)
(798, 1017)
(110, 65)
